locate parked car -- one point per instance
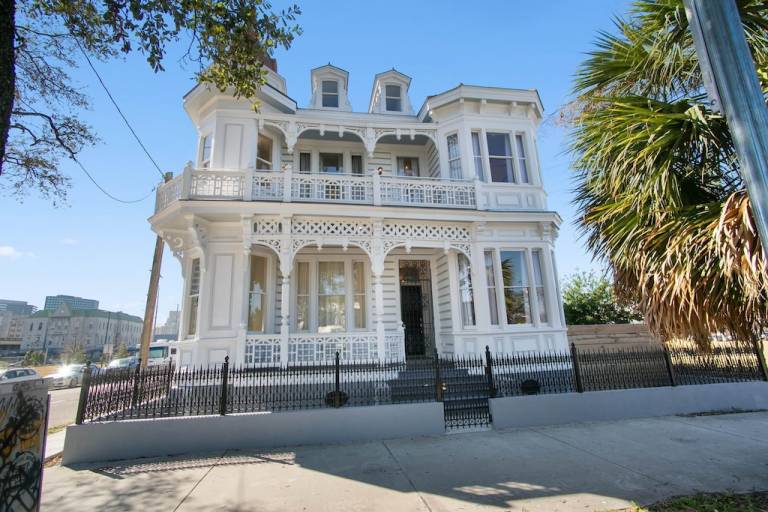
(18, 374)
(125, 362)
(68, 376)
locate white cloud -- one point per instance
(8, 251)
(68, 241)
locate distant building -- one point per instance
(17, 307)
(170, 329)
(92, 329)
(54, 301)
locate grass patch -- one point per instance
(57, 428)
(750, 502)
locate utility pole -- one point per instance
(154, 281)
(732, 85)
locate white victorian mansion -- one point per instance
(383, 234)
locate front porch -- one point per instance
(298, 289)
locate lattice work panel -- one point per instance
(262, 350)
(353, 347)
(333, 227)
(266, 227)
(213, 185)
(168, 193)
(394, 347)
(267, 187)
(425, 231)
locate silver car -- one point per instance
(18, 374)
(69, 376)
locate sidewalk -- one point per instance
(584, 467)
(54, 443)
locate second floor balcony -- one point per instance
(367, 188)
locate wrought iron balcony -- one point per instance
(366, 189)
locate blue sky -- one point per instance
(97, 248)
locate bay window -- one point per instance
(522, 164)
(521, 280)
(490, 273)
(454, 156)
(507, 156)
(194, 296)
(477, 156)
(500, 157)
(467, 301)
(330, 296)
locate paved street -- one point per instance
(63, 406)
(585, 467)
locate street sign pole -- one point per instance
(732, 85)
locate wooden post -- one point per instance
(154, 281)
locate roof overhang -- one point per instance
(477, 92)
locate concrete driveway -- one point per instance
(584, 467)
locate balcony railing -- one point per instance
(367, 189)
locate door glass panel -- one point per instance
(257, 293)
(302, 296)
(515, 281)
(465, 292)
(305, 160)
(359, 305)
(331, 312)
(357, 164)
(330, 162)
(407, 166)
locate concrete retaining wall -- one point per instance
(610, 336)
(98, 442)
(530, 411)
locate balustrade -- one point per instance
(367, 189)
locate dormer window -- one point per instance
(330, 90)
(205, 151)
(393, 98)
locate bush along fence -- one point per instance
(463, 383)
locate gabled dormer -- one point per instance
(329, 88)
(390, 94)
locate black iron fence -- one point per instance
(463, 383)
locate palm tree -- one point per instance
(658, 188)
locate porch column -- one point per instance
(378, 290)
(285, 300)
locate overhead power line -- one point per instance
(125, 120)
(124, 201)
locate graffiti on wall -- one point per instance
(22, 441)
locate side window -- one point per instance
(264, 153)
(205, 151)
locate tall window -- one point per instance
(330, 93)
(358, 292)
(330, 162)
(477, 156)
(302, 296)
(264, 153)
(305, 162)
(331, 297)
(194, 296)
(393, 98)
(515, 279)
(538, 284)
(490, 275)
(454, 156)
(500, 157)
(407, 166)
(257, 295)
(205, 151)
(522, 164)
(465, 292)
(357, 164)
